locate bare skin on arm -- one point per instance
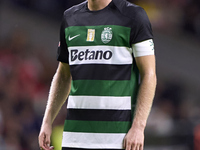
(59, 91)
(134, 139)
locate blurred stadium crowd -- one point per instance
(25, 79)
(168, 15)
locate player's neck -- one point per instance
(95, 5)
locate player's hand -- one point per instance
(44, 137)
(134, 139)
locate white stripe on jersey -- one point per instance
(110, 55)
(93, 140)
(96, 102)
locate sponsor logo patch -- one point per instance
(90, 35)
(90, 55)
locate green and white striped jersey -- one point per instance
(98, 47)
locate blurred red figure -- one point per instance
(197, 137)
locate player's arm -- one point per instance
(59, 91)
(145, 61)
(146, 65)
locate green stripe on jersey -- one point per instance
(101, 88)
(78, 35)
(97, 126)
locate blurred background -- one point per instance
(29, 35)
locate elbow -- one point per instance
(150, 77)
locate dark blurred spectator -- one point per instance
(191, 19)
(52, 8)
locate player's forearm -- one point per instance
(144, 100)
(59, 91)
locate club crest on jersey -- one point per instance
(90, 35)
(106, 35)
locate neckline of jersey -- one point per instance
(96, 11)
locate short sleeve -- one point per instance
(62, 53)
(142, 30)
